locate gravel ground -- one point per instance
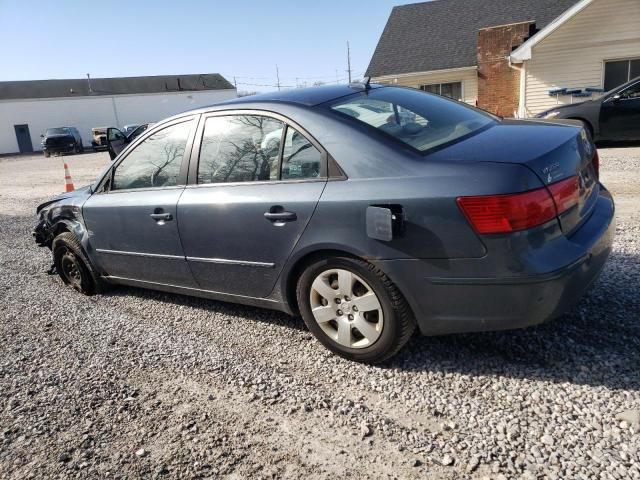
(135, 383)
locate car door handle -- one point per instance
(280, 216)
(161, 217)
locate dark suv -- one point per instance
(61, 140)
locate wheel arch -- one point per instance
(69, 225)
(76, 226)
(298, 264)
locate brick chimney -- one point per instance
(499, 84)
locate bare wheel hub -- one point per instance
(346, 308)
(71, 268)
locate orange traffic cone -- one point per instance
(68, 183)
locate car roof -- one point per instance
(302, 96)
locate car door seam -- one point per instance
(293, 248)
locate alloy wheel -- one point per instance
(346, 308)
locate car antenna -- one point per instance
(363, 84)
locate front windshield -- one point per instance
(418, 119)
(57, 131)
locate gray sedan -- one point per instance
(370, 211)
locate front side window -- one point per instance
(156, 161)
(417, 119)
(631, 92)
(115, 134)
(137, 131)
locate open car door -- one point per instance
(116, 141)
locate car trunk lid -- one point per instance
(553, 151)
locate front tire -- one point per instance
(47, 154)
(354, 309)
(72, 264)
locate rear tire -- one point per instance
(72, 264)
(46, 154)
(354, 309)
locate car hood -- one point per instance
(79, 194)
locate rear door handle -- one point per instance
(280, 216)
(158, 217)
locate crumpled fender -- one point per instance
(63, 213)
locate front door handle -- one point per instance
(161, 217)
(281, 216)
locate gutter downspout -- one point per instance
(522, 107)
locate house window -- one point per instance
(620, 71)
(451, 90)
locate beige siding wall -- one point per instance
(573, 56)
(469, 79)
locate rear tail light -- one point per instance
(519, 211)
(565, 193)
(508, 213)
(596, 163)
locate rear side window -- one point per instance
(247, 148)
(156, 161)
(239, 148)
(418, 119)
(300, 159)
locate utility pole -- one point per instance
(349, 61)
(278, 76)
(337, 79)
(235, 84)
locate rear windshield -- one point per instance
(418, 119)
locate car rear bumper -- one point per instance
(456, 303)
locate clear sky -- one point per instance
(241, 38)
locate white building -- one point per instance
(28, 108)
(596, 43)
(511, 57)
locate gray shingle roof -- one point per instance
(442, 34)
(79, 87)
